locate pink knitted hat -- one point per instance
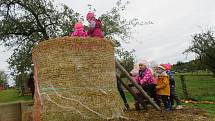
(79, 25)
(168, 66)
(144, 62)
(90, 15)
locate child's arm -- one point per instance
(136, 78)
(164, 84)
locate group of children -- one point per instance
(94, 28)
(158, 82)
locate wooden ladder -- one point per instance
(144, 95)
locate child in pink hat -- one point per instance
(79, 30)
(144, 77)
(95, 26)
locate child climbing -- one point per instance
(95, 26)
(146, 79)
(173, 94)
(79, 30)
(134, 73)
(163, 88)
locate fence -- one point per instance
(196, 87)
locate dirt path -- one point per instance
(186, 114)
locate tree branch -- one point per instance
(43, 29)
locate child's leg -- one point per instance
(166, 102)
(137, 106)
(150, 89)
(121, 92)
(158, 100)
(153, 92)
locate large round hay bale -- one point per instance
(75, 80)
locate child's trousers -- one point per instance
(166, 101)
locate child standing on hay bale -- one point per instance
(95, 26)
(79, 30)
(173, 94)
(163, 88)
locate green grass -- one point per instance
(11, 95)
(209, 108)
(199, 87)
(200, 73)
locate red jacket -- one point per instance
(95, 29)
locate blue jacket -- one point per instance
(171, 79)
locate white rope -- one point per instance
(98, 114)
(60, 106)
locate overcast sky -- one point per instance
(165, 40)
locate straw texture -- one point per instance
(75, 80)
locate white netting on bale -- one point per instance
(75, 80)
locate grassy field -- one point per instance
(11, 95)
(199, 87)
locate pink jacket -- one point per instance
(79, 33)
(148, 78)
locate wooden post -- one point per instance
(184, 87)
(137, 86)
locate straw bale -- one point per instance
(75, 80)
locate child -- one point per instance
(146, 79)
(173, 94)
(163, 88)
(134, 72)
(79, 30)
(31, 84)
(95, 26)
